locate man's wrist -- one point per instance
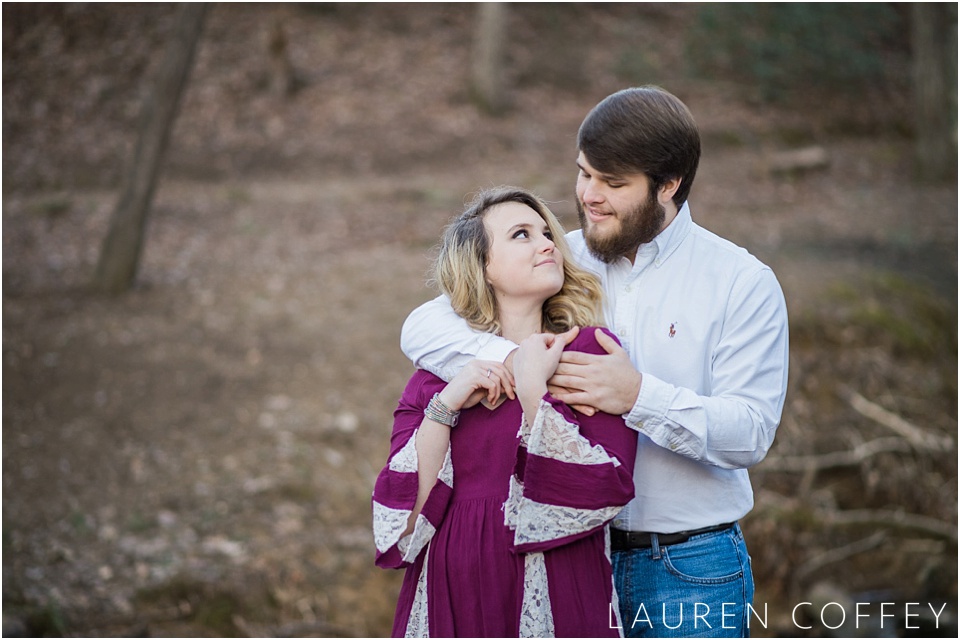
(631, 396)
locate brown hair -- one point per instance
(647, 130)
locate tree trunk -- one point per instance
(935, 121)
(488, 83)
(120, 255)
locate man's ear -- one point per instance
(668, 189)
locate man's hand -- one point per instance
(606, 383)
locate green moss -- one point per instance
(211, 606)
(886, 310)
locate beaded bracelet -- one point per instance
(439, 412)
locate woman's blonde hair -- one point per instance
(460, 269)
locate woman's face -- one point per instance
(523, 261)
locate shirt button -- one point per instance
(673, 446)
(640, 424)
(628, 288)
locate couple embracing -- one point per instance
(571, 458)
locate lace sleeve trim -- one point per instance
(406, 459)
(411, 545)
(389, 523)
(552, 436)
(537, 522)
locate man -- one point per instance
(701, 376)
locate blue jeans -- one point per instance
(698, 588)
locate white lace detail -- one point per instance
(538, 522)
(536, 614)
(411, 546)
(388, 524)
(614, 600)
(524, 432)
(406, 459)
(553, 437)
(418, 625)
(446, 471)
(511, 506)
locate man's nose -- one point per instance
(592, 193)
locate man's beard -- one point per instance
(639, 226)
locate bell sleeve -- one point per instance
(395, 491)
(573, 474)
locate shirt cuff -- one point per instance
(651, 406)
(649, 416)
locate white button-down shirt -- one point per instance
(705, 323)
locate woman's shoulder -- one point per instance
(586, 340)
(421, 387)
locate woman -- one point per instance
(498, 512)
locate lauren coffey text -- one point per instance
(805, 615)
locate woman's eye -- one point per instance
(548, 235)
(522, 233)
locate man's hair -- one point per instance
(460, 269)
(643, 130)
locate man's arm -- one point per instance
(733, 426)
(435, 338)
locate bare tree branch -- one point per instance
(839, 554)
(917, 437)
(834, 459)
(773, 502)
(899, 519)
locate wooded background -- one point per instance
(215, 219)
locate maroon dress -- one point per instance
(513, 539)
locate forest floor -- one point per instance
(196, 457)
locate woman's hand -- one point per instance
(477, 380)
(534, 363)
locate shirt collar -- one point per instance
(670, 238)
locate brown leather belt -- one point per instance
(622, 540)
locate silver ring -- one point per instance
(488, 373)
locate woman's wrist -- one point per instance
(438, 411)
(531, 394)
(449, 398)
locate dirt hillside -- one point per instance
(196, 457)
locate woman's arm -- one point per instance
(412, 492)
(577, 472)
(413, 489)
